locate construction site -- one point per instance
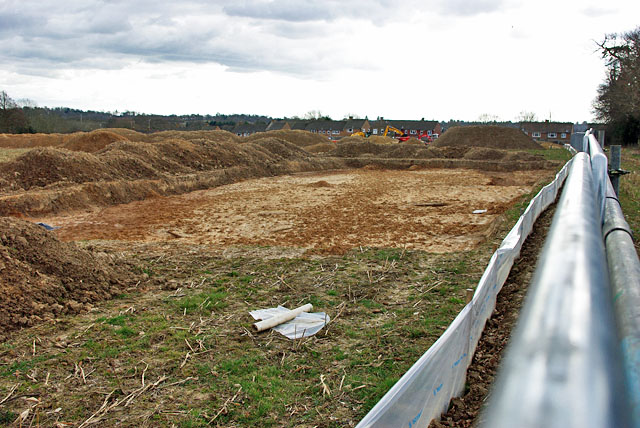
(130, 263)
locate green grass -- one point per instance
(630, 189)
(558, 153)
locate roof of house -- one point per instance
(242, 128)
(325, 125)
(355, 123)
(277, 125)
(546, 127)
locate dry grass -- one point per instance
(7, 155)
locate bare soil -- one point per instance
(430, 210)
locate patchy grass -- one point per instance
(553, 153)
(189, 336)
(630, 190)
(7, 154)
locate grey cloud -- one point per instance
(281, 35)
(470, 7)
(315, 10)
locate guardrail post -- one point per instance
(614, 159)
(577, 141)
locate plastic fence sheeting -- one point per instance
(424, 392)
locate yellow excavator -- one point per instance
(359, 133)
(402, 136)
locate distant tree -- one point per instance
(315, 115)
(12, 118)
(352, 116)
(526, 116)
(6, 102)
(487, 118)
(618, 100)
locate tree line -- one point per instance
(618, 99)
(23, 116)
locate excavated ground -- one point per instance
(332, 212)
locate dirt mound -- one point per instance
(43, 166)
(25, 141)
(358, 147)
(496, 137)
(320, 183)
(484, 153)
(42, 278)
(128, 134)
(377, 139)
(91, 142)
(320, 148)
(294, 136)
(217, 136)
(281, 148)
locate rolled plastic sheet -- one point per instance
(424, 391)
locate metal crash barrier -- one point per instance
(563, 367)
(574, 356)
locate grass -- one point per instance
(379, 300)
(630, 190)
(7, 154)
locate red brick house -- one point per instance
(555, 132)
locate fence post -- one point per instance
(614, 168)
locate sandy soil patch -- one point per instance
(324, 212)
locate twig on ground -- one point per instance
(224, 406)
(10, 392)
(325, 388)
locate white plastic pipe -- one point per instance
(282, 318)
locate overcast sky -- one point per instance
(401, 59)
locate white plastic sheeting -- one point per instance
(304, 325)
(424, 392)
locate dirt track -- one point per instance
(326, 212)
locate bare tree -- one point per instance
(6, 102)
(526, 116)
(487, 118)
(618, 100)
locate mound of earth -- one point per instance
(320, 148)
(42, 278)
(128, 134)
(126, 160)
(495, 137)
(217, 136)
(377, 139)
(46, 165)
(26, 141)
(484, 153)
(91, 141)
(358, 147)
(294, 136)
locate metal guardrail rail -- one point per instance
(624, 274)
(563, 367)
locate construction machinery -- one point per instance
(402, 136)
